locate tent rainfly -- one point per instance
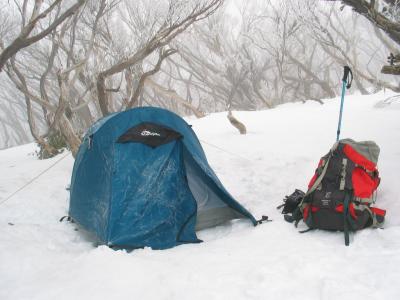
(141, 179)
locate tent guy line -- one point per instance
(34, 179)
(226, 151)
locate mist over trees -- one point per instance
(65, 64)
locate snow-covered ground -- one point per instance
(41, 258)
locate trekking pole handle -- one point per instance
(347, 74)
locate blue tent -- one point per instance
(141, 178)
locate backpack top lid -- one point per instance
(364, 153)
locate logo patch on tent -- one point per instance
(147, 133)
(150, 134)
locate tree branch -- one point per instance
(163, 54)
(174, 96)
(23, 40)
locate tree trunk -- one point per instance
(69, 134)
(236, 123)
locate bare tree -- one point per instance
(13, 122)
(54, 79)
(25, 37)
(386, 17)
(340, 37)
(217, 68)
(73, 74)
(300, 71)
(190, 56)
(173, 25)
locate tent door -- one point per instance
(211, 209)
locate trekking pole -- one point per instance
(346, 84)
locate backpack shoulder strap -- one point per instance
(321, 176)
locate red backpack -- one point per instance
(343, 189)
